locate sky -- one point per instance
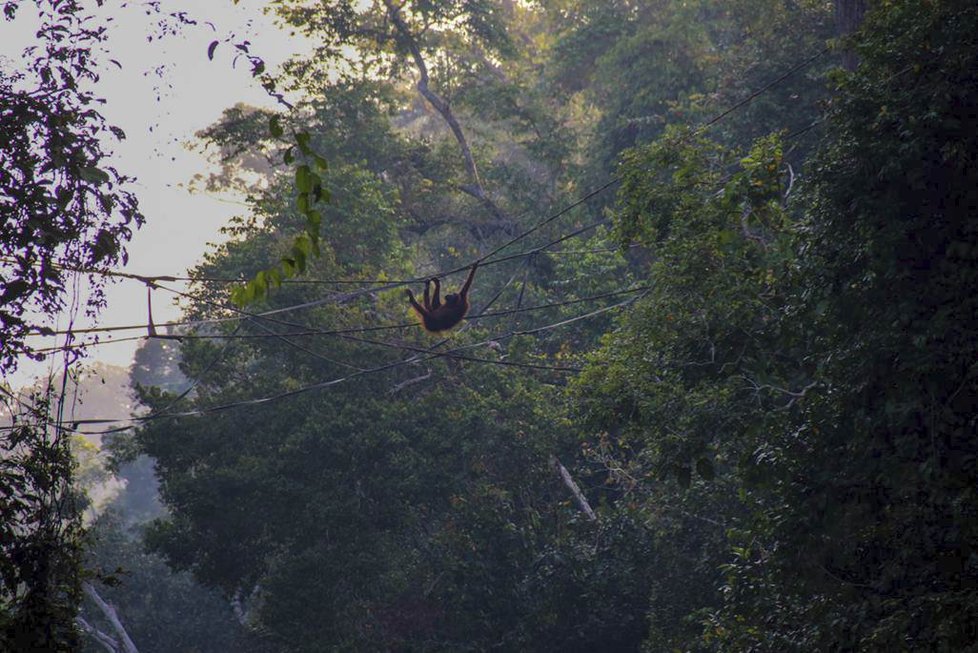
(166, 90)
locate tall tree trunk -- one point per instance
(474, 187)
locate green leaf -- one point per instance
(275, 126)
(303, 244)
(239, 295)
(274, 277)
(314, 221)
(14, 289)
(303, 179)
(106, 202)
(93, 174)
(300, 249)
(302, 140)
(64, 197)
(105, 246)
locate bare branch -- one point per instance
(474, 187)
(631, 483)
(745, 228)
(242, 607)
(568, 480)
(107, 641)
(238, 609)
(113, 617)
(794, 394)
(791, 182)
(403, 384)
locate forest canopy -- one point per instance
(716, 390)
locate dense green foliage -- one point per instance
(728, 403)
(40, 533)
(63, 208)
(816, 366)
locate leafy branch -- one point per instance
(308, 183)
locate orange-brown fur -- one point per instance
(437, 316)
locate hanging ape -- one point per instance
(436, 316)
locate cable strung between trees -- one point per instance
(154, 282)
(391, 285)
(308, 331)
(428, 355)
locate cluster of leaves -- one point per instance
(62, 208)
(309, 191)
(40, 534)
(778, 437)
(821, 359)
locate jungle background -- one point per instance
(717, 390)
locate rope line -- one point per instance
(483, 260)
(421, 354)
(307, 331)
(430, 355)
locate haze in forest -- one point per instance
(479, 325)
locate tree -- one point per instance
(383, 510)
(803, 374)
(415, 30)
(63, 208)
(40, 531)
(848, 17)
(162, 610)
(63, 211)
(871, 549)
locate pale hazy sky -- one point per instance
(159, 113)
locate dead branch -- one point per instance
(110, 613)
(242, 607)
(474, 188)
(107, 641)
(746, 230)
(404, 384)
(568, 480)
